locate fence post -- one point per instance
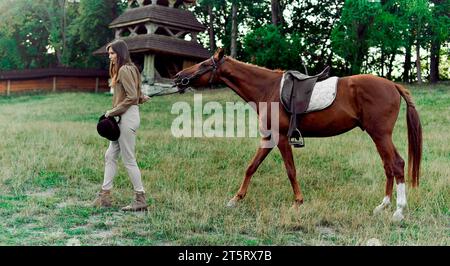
(96, 84)
(54, 84)
(8, 88)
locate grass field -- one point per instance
(52, 161)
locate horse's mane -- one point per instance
(254, 66)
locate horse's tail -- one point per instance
(414, 136)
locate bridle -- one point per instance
(214, 66)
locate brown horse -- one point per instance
(365, 101)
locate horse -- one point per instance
(366, 101)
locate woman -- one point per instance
(125, 80)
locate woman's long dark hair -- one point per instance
(123, 58)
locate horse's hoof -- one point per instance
(378, 209)
(296, 204)
(398, 216)
(232, 203)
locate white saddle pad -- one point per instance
(323, 94)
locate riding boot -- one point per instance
(139, 203)
(103, 199)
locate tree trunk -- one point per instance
(212, 37)
(114, 11)
(382, 62)
(434, 61)
(330, 60)
(390, 66)
(407, 65)
(361, 50)
(63, 31)
(275, 5)
(58, 54)
(419, 69)
(234, 23)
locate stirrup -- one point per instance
(296, 139)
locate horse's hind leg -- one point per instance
(260, 155)
(393, 167)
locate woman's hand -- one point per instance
(107, 113)
(144, 98)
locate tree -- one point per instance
(439, 34)
(314, 22)
(268, 47)
(218, 15)
(9, 54)
(54, 16)
(386, 35)
(89, 31)
(212, 36)
(277, 14)
(23, 37)
(54, 32)
(419, 16)
(234, 29)
(350, 37)
(211, 13)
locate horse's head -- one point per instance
(202, 74)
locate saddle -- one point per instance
(295, 95)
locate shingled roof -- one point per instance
(160, 15)
(51, 72)
(162, 44)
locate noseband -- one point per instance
(213, 67)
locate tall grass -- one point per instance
(52, 161)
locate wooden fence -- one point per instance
(52, 80)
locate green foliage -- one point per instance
(21, 36)
(252, 14)
(386, 32)
(419, 17)
(9, 54)
(267, 47)
(46, 33)
(440, 23)
(314, 20)
(89, 31)
(350, 36)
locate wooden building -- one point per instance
(52, 80)
(161, 36)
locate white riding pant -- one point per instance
(125, 146)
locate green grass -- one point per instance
(52, 163)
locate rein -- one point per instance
(164, 92)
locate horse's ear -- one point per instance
(219, 54)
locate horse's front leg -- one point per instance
(286, 153)
(259, 157)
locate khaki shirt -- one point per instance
(126, 91)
